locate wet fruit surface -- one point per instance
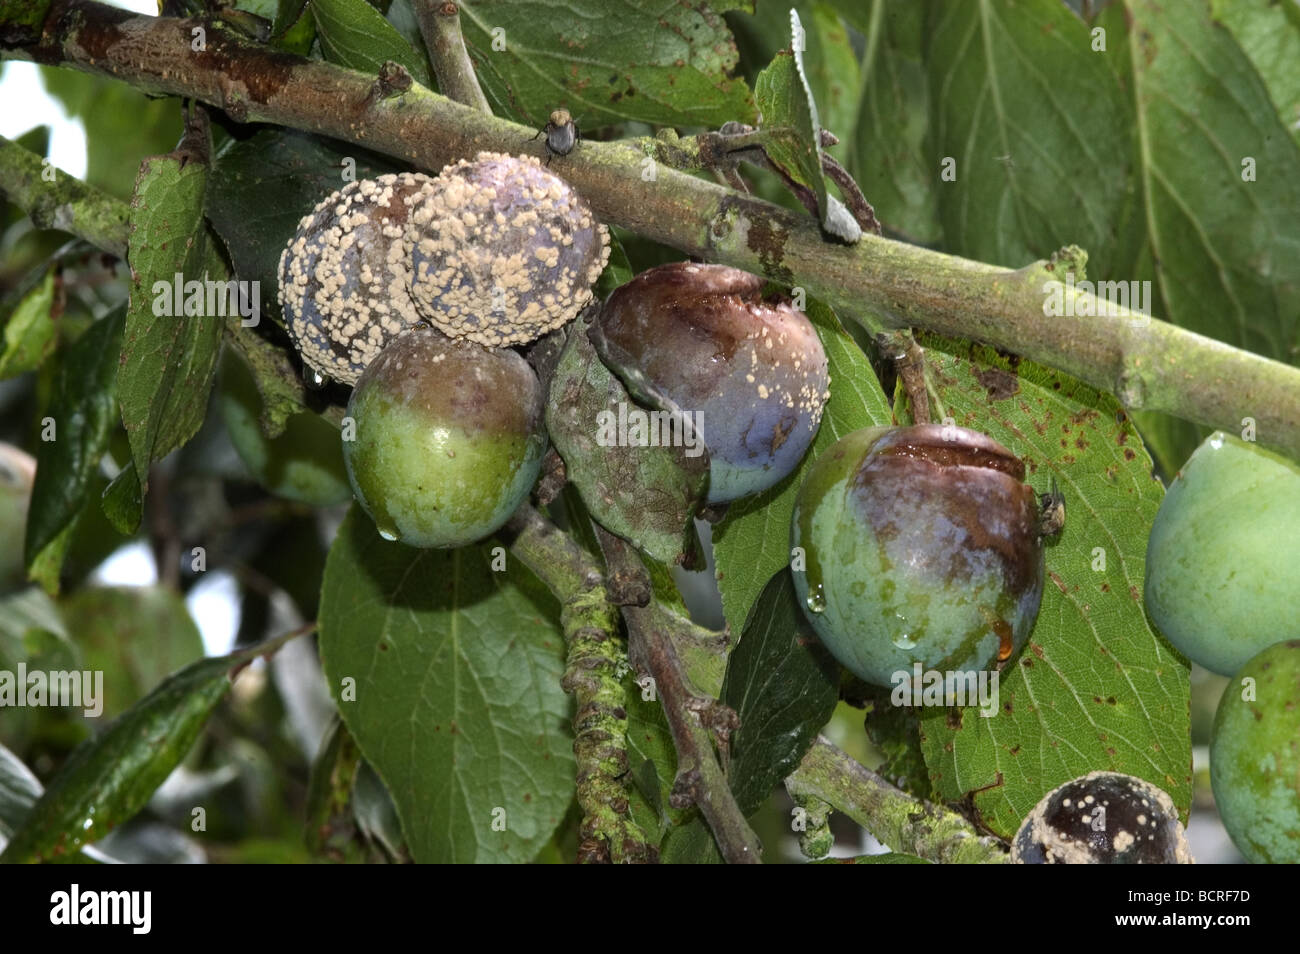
(1223, 554)
(1104, 818)
(448, 441)
(1255, 756)
(344, 277)
(920, 545)
(751, 373)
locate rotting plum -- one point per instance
(449, 438)
(1255, 756)
(920, 545)
(1223, 551)
(748, 373)
(502, 250)
(1102, 818)
(345, 275)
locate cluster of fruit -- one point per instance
(912, 545)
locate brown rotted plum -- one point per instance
(921, 545)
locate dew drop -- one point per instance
(389, 533)
(904, 641)
(314, 379)
(816, 601)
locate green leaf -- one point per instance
(19, 789)
(888, 156)
(109, 778)
(753, 541)
(657, 63)
(84, 409)
(1095, 688)
(448, 677)
(1269, 34)
(32, 632)
(168, 359)
(354, 34)
(784, 685)
(792, 131)
(691, 844)
(30, 333)
(123, 501)
(1203, 115)
(1035, 122)
(135, 635)
(647, 495)
(331, 830)
(262, 186)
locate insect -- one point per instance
(1052, 516)
(561, 134)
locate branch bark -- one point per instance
(440, 26)
(590, 622)
(1147, 364)
(897, 819)
(693, 718)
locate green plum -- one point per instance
(1223, 552)
(449, 438)
(304, 463)
(922, 545)
(1255, 756)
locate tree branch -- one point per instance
(899, 820)
(1147, 364)
(62, 202)
(440, 26)
(590, 624)
(692, 718)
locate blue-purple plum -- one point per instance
(748, 372)
(345, 275)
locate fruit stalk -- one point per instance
(899, 820)
(591, 675)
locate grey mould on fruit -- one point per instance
(502, 250)
(344, 277)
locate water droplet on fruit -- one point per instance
(904, 641)
(817, 599)
(314, 379)
(389, 533)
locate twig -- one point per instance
(899, 820)
(1147, 364)
(440, 26)
(692, 718)
(909, 361)
(592, 675)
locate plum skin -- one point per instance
(921, 545)
(304, 463)
(1221, 557)
(751, 372)
(449, 438)
(1138, 824)
(1255, 757)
